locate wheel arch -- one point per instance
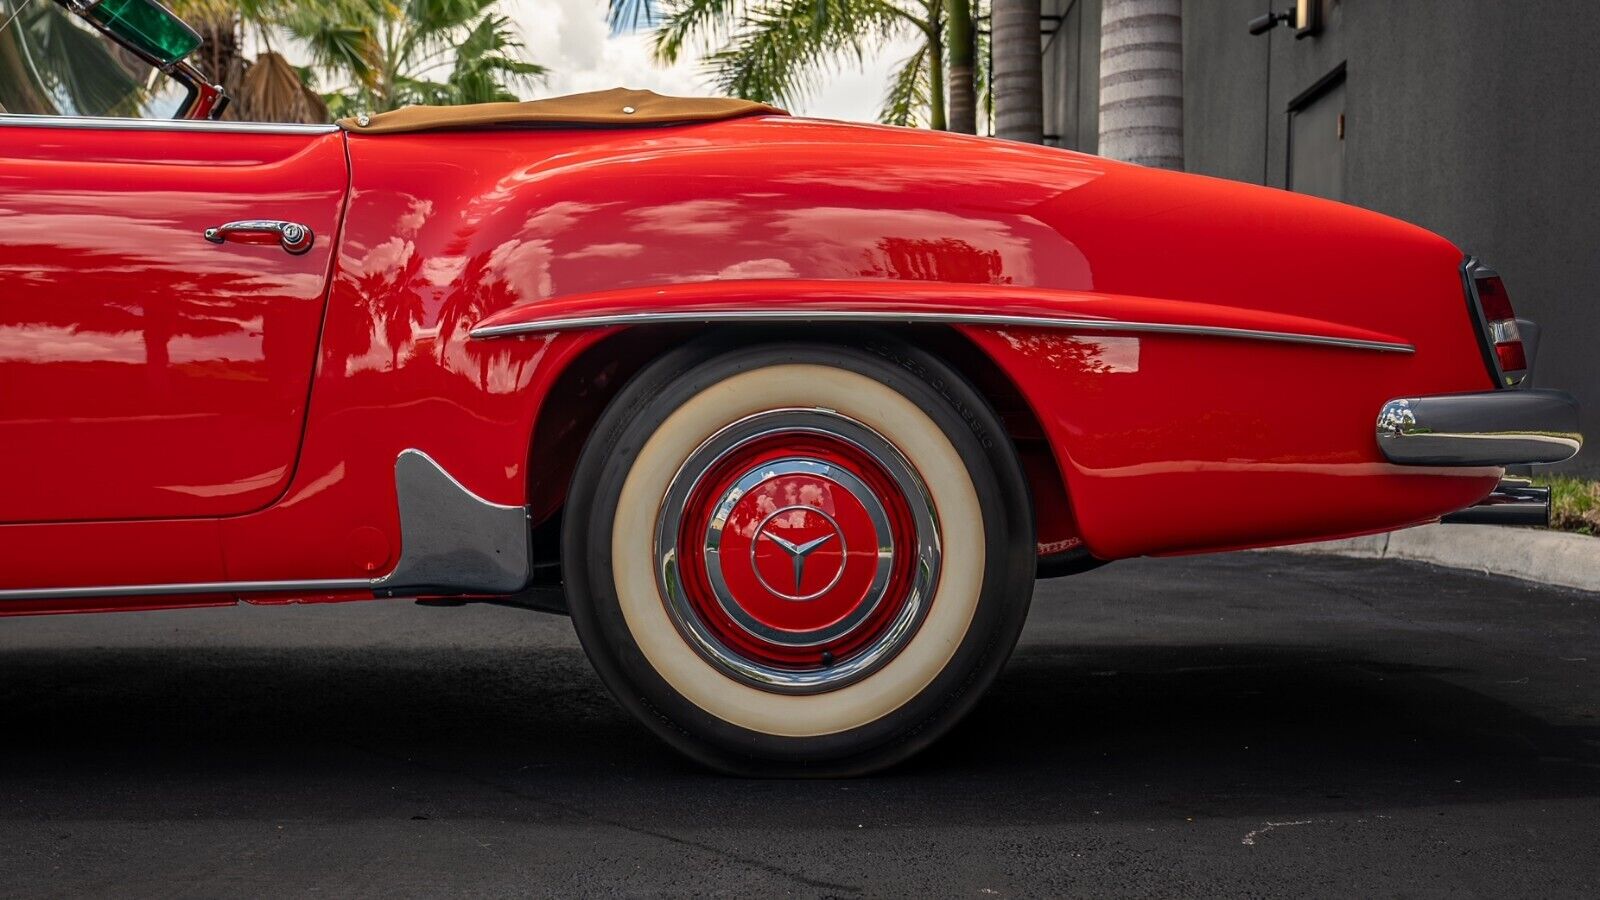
(580, 393)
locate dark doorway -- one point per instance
(1316, 138)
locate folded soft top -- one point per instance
(618, 106)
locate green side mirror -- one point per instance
(146, 26)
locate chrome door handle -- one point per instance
(291, 236)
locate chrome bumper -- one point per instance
(1516, 501)
(1492, 428)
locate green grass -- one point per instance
(1574, 504)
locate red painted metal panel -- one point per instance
(110, 553)
(150, 373)
(1172, 444)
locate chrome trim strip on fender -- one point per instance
(1489, 428)
(917, 318)
(451, 542)
(107, 123)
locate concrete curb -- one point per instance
(1547, 557)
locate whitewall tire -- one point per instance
(798, 558)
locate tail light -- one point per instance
(1497, 323)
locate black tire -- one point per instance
(837, 731)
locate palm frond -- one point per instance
(394, 52)
(420, 90)
(273, 90)
(684, 21)
(781, 48)
(337, 41)
(631, 15)
(907, 98)
(436, 16)
(492, 37)
(488, 65)
(429, 27)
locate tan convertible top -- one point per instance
(618, 106)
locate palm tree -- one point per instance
(389, 54)
(221, 25)
(773, 51)
(266, 89)
(1018, 85)
(1141, 82)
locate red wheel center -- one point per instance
(796, 537)
(798, 553)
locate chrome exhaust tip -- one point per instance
(1515, 501)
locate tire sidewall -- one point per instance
(1006, 587)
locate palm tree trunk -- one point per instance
(1017, 82)
(963, 59)
(1141, 82)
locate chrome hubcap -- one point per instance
(797, 550)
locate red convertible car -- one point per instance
(786, 414)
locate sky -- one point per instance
(571, 38)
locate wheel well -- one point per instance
(581, 392)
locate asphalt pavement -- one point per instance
(1258, 724)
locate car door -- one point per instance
(154, 361)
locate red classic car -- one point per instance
(786, 414)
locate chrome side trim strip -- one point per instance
(194, 587)
(916, 318)
(1490, 428)
(451, 542)
(107, 123)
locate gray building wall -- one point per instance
(1072, 73)
(1477, 119)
